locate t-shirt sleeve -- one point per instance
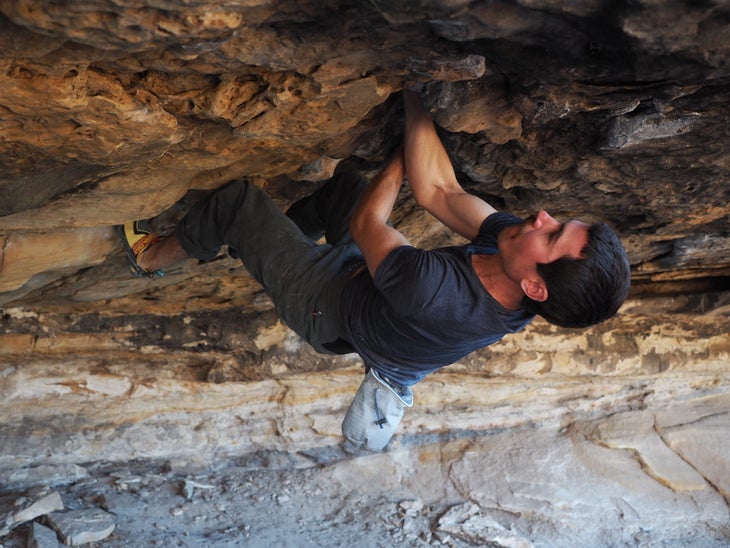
(492, 226)
(409, 278)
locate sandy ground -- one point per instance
(510, 488)
(255, 503)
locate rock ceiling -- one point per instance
(113, 110)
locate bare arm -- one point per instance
(369, 225)
(431, 175)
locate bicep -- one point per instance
(462, 212)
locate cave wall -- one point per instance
(614, 111)
(611, 110)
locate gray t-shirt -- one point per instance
(427, 309)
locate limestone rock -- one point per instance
(466, 522)
(706, 456)
(77, 527)
(112, 110)
(476, 106)
(35, 504)
(43, 474)
(635, 431)
(583, 494)
(41, 536)
(65, 250)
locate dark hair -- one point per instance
(589, 290)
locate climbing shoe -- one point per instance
(136, 238)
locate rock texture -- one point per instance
(120, 109)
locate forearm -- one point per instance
(376, 203)
(431, 175)
(369, 225)
(428, 165)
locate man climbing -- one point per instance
(406, 311)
